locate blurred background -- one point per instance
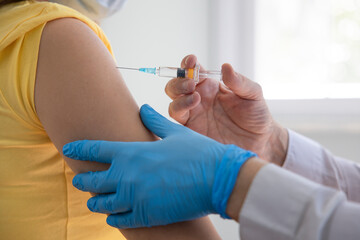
(304, 53)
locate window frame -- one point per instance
(322, 110)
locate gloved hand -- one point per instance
(232, 112)
(181, 177)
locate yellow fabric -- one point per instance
(37, 199)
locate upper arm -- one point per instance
(79, 93)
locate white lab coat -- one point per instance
(282, 205)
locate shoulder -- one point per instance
(70, 44)
(68, 33)
(72, 61)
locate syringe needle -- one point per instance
(145, 70)
(127, 68)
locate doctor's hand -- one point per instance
(232, 112)
(181, 177)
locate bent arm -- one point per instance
(283, 205)
(79, 94)
(309, 159)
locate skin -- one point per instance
(232, 112)
(245, 177)
(79, 94)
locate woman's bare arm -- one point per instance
(79, 94)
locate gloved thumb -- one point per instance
(239, 84)
(157, 123)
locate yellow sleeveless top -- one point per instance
(37, 199)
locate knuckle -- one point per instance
(171, 110)
(187, 86)
(167, 89)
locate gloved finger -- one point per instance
(125, 220)
(157, 123)
(239, 84)
(95, 182)
(180, 108)
(179, 86)
(91, 150)
(109, 204)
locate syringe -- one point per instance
(173, 72)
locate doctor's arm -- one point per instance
(311, 160)
(282, 205)
(79, 94)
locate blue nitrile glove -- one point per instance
(181, 177)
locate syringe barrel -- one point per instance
(192, 73)
(211, 74)
(170, 72)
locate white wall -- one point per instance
(335, 123)
(161, 32)
(157, 33)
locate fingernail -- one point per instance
(91, 204)
(67, 150)
(186, 60)
(190, 99)
(110, 222)
(146, 109)
(77, 183)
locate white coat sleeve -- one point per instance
(282, 205)
(309, 159)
